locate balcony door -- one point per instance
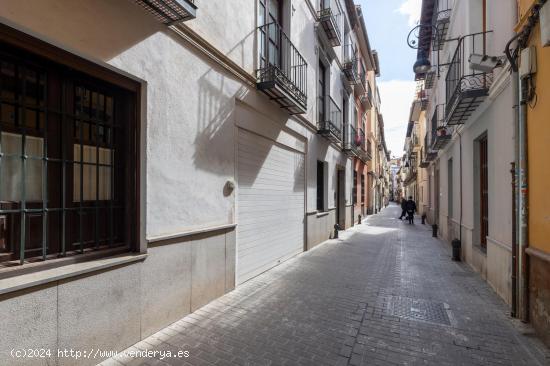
(321, 87)
(270, 21)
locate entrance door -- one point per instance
(484, 192)
(341, 198)
(436, 196)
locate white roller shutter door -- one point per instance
(270, 204)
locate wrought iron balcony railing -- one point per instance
(428, 154)
(441, 20)
(466, 88)
(370, 95)
(365, 151)
(441, 133)
(349, 67)
(330, 119)
(283, 71)
(329, 18)
(430, 78)
(351, 141)
(170, 12)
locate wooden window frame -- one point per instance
(90, 72)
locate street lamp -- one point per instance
(422, 64)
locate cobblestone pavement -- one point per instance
(385, 293)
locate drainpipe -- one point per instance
(520, 285)
(522, 206)
(515, 179)
(513, 310)
(460, 163)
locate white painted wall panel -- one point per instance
(270, 204)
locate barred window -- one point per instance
(65, 139)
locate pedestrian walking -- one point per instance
(403, 208)
(410, 207)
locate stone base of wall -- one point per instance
(499, 268)
(539, 296)
(112, 309)
(320, 227)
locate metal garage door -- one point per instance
(270, 204)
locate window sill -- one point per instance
(322, 214)
(25, 281)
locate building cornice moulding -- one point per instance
(213, 54)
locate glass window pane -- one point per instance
(89, 172)
(109, 109)
(8, 81)
(33, 180)
(7, 113)
(101, 107)
(261, 15)
(29, 118)
(31, 87)
(94, 110)
(11, 179)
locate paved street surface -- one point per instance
(385, 293)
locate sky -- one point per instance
(388, 24)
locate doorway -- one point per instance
(341, 198)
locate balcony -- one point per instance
(361, 86)
(422, 97)
(365, 149)
(170, 12)
(352, 141)
(366, 98)
(441, 133)
(282, 75)
(441, 20)
(466, 88)
(329, 16)
(330, 120)
(430, 79)
(349, 67)
(428, 154)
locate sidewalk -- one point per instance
(385, 293)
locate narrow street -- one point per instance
(385, 293)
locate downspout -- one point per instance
(460, 164)
(515, 175)
(521, 219)
(522, 200)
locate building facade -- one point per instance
(202, 145)
(468, 145)
(533, 72)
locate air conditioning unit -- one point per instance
(545, 25)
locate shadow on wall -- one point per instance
(217, 96)
(319, 147)
(102, 28)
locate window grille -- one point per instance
(63, 141)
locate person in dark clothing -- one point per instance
(403, 208)
(410, 206)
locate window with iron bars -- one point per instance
(363, 196)
(65, 175)
(354, 188)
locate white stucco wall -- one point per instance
(189, 100)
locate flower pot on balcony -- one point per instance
(442, 132)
